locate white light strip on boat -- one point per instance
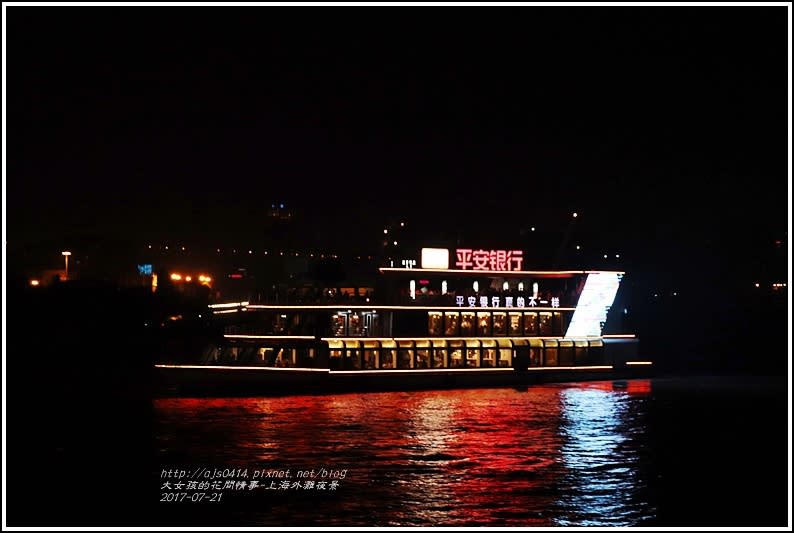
(481, 369)
(271, 337)
(423, 370)
(620, 336)
(383, 371)
(632, 363)
(376, 308)
(406, 339)
(228, 367)
(232, 304)
(425, 339)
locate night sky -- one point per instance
(664, 128)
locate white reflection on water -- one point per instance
(601, 460)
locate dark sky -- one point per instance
(666, 128)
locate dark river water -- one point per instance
(679, 452)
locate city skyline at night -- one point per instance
(657, 128)
(662, 132)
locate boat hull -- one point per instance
(253, 381)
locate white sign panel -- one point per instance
(435, 258)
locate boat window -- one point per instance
(405, 355)
(514, 320)
(356, 325)
(499, 323)
(580, 353)
(439, 353)
(352, 356)
(388, 354)
(370, 355)
(550, 352)
(338, 325)
(434, 322)
(556, 323)
(530, 323)
(451, 324)
(566, 352)
(535, 352)
(505, 353)
(371, 324)
(467, 324)
(456, 348)
(545, 324)
(488, 353)
(423, 354)
(335, 349)
(306, 358)
(473, 353)
(353, 359)
(483, 324)
(281, 324)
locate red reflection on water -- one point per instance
(452, 457)
(632, 386)
(510, 456)
(639, 386)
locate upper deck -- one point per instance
(487, 297)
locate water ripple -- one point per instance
(557, 455)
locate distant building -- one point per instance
(279, 211)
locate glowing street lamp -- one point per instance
(66, 255)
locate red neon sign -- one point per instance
(496, 260)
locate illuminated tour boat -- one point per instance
(485, 322)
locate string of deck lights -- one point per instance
(280, 253)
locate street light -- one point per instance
(66, 264)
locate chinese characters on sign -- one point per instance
(520, 301)
(494, 260)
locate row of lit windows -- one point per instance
(355, 325)
(461, 324)
(302, 357)
(486, 323)
(385, 354)
(470, 353)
